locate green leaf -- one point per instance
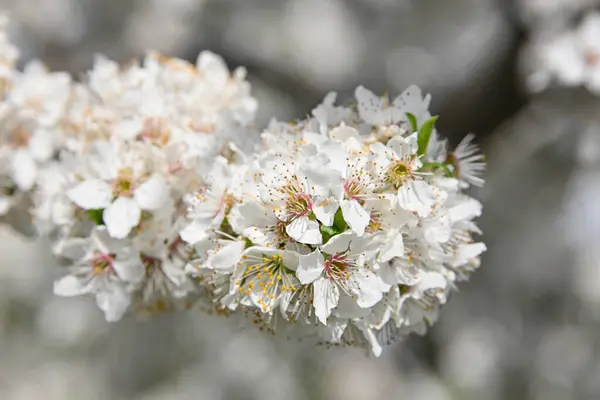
(328, 232)
(425, 134)
(413, 121)
(338, 221)
(433, 165)
(96, 216)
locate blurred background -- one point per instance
(520, 74)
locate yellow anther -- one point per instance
(278, 277)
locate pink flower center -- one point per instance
(299, 205)
(336, 267)
(102, 262)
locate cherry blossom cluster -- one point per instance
(564, 53)
(158, 194)
(349, 227)
(106, 162)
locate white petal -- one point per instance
(121, 216)
(417, 196)
(127, 129)
(129, 267)
(326, 296)
(343, 133)
(369, 290)
(250, 214)
(310, 267)
(225, 259)
(41, 145)
(5, 204)
(355, 216)
(339, 243)
(376, 348)
(466, 252)
(114, 302)
(24, 169)
(69, 286)
(304, 231)
(152, 194)
(325, 209)
(91, 195)
(393, 247)
(195, 232)
(404, 147)
(73, 248)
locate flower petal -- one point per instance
(339, 243)
(393, 246)
(69, 286)
(226, 257)
(326, 297)
(417, 196)
(325, 209)
(128, 266)
(195, 231)
(91, 195)
(355, 215)
(121, 216)
(152, 194)
(114, 302)
(24, 169)
(369, 290)
(310, 267)
(304, 231)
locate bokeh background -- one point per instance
(525, 327)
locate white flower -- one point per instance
(341, 264)
(378, 110)
(122, 201)
(101, 266)
(124, 186)
(297, 189)
(398, 165)
(207, 209)
(468, 162)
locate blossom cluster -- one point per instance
(568, 57)
(158, 193)
(349, 227)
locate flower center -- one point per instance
(336, 267)
(123, 185)
(354, 189)
(102, 262)
(375, 223)
(20, 138)
(299, 205)
(155, 131)
(398, 171)
(268, 278)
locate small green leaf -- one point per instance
(312, 216)
(96, 216)
(433, 165)
(413, 121)
(328, 232)
(338, 221)
(425, 134)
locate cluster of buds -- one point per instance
(349, 227)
